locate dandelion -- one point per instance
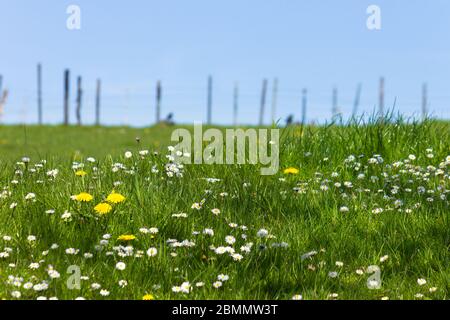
(80, 173)
(126, 237)
(103, 208)
(148, 297)
(115, 198)
(291, 170)
(83, 197)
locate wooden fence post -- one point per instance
(357, 99)
(381, 98)
(235, 103)
(97, 102)
(274, 99)
(39, 92)
(263, 102)
(334, 107)
(158, 101)
(304, 106)
(424, 101)
(66, 96)
(79, 100)
(209, 102)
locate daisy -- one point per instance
(152, 252)
(120, 266)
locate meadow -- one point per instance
(355, 212)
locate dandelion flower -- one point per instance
(103, 208)
(291, 170)
(148, 297)
(80, 173)
(114, 197)
(83, 197)
(126, 237)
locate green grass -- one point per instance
(301, 210)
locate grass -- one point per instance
(303, 213)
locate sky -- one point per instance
(132, 44)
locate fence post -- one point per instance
(158, 101)
(381, 97)
(274, 99)
(424, 101)
(304, 105)
(263, 102)
(235, 103)
(334, 107)
(97, 102)
(79, 100)
(39, 92)
(357, 99)
(210, 97)
(66, 96)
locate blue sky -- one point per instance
(313, 44)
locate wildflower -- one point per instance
(421, 281)
(103, 208)
(215, 211)
(104, 293)
(217, 284)
(152, 252)
(120, 266)
(230, 239)
(339, 264)
(148, 297)
(80, 173)
(237, 257)
(126, 237)
(30, 196)
(384, 258)
(343, 209)
(31, 238)
(66, 216)
(209, 232)
(128, 154)
(114, 197)
(13, 205)
(223, 277)
(262, 233)
(291, 170)
(297, 297)
(432, 289)
(83, 197)
(332, 274)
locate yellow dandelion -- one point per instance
(291, 171)
(103, 208)
(126, 237)
(84, 197)
(80, 173)
(114, 197)
(148, 297)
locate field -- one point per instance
(358, 202)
